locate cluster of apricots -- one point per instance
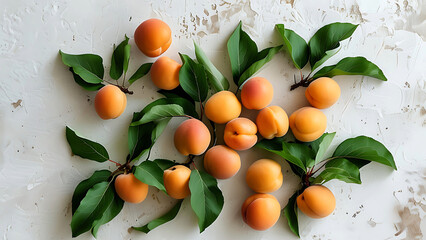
(192, 137)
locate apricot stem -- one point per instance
(304, 82)
(190, 160)
(122, 88)
(116, 163)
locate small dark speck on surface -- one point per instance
(407, 84)
(357, 212)
(130, 18)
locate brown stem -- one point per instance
(122, 88)
(116, 163)
(304, 82)
(190, 160)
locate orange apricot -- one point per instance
(257, 93)
(153, 37)
(165, 73)
(264, 176)
(323, 92)
(222, 162)
(176, 181)
(222, 107)
(272, 122)
(240, 134)
(110, 102)
(308, 124)
(192, 137)
(130, 189)
(261, 211)
(316, 201)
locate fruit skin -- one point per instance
(316, 201)
(261, 211)
(264, 176)
(153, 37)
(257, 93)
(165, 73)
(110, 102)
(192, 137)
(323, 92)
(176, 181)
(272, 122)
(222, 107)
(240, 134)
(130, 189)
(222, 162)
(308, 124)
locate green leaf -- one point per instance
(206, 198)
(88, 66)
(85, 148)
(160, 112)
(352, 66)
(86, 85)
(363, 149)
(262, 58)
(296, 46)
(92, 208)
(328, 38)
(113, 209)
(142, 71)
(215, 78)
(120, 59)
(321, 145)
(84, 186)
(193, 79)
(170, 215)
(142, 137)
(150, 173)
(176, 93)
(164, 163)
(242, 52)
(341, 169)
(290, 212)
(298, 154)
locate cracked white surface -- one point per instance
(38, 98)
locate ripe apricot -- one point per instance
(110, 102)
(264, 176)
(222, 107)
(176, 181)
(261, 211)
(222, 162)
(165, 73)
(323, 92)
(257, 93)
(130, 189)
(308, 124)
(240, 134)
(272, 122)
(153, 37)
(316, 201)
(192, 137)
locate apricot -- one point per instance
(261, 211)
(240, 134)
(308, 124)
(257, 93)
(192, 137)
(153, 37)
(316, 201)
(110, 102)
(264, 176)
(272, 122)
(176, 181)
(222, 107)
(222, 162)
(165, 73)
(130, 189)
(323, 92)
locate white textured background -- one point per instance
(38, 97)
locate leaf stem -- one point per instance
(304, 82)
(116, 163)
